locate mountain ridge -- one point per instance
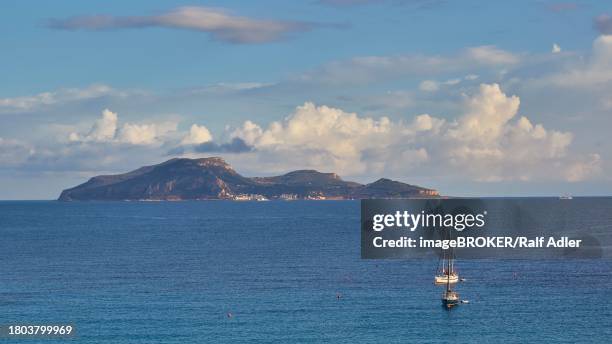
(213, 178)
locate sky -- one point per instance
(473, 98)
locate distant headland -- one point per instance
(214, 179)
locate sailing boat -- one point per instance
(450, 298)
(446, 270)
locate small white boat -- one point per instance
(566, 197)
(445, 278)
(446, 272)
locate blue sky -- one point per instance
(428, 92)
(167, 58)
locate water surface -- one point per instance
(153, 272)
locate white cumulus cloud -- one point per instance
(488, 142)
(106, 129)
(197, 134)
(144, 134)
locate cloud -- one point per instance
(485, 115)
(107, 130)
(419, 4)
(366, 69)
(14, 152)
(230, 88)
(318, 136)
(63, 95)
(197, 135)
(219, 23)
(391, 100)
(570, 85)
(432, 85)
(490, 145)
(590, 73)
(556, 48)
(144, 134)
(603, 24)
(429, 85)
(104, 129)
(347, 3)
(582, 170)
(236, 145)
(85, 159)
(562, 6)
(488, 142)
(489, 54)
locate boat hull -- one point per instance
(443, 279)
(450, 299)
(449, 303)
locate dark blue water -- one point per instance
(139, 272)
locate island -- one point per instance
(214, 179)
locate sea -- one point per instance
(271, 272)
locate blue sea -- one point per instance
(262, 272)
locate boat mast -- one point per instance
(448, 274)
(448, 271)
